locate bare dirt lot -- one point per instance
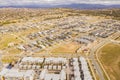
(66, 48)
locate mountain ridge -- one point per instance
(78, 6)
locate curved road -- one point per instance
(97, 67)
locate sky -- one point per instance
(55, 2)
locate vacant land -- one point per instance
(66, 48)
(14, 51)
(6, 39)
(108, 13)
(118, 39)
(9, 58)
(93, 19)
(110, 57)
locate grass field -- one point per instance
(14, 51)
(66, 48)
(9, 59)
(6, 39)
(110, 57)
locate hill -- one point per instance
(76, 6)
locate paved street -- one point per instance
(94, 61)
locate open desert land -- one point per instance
(110, 57)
